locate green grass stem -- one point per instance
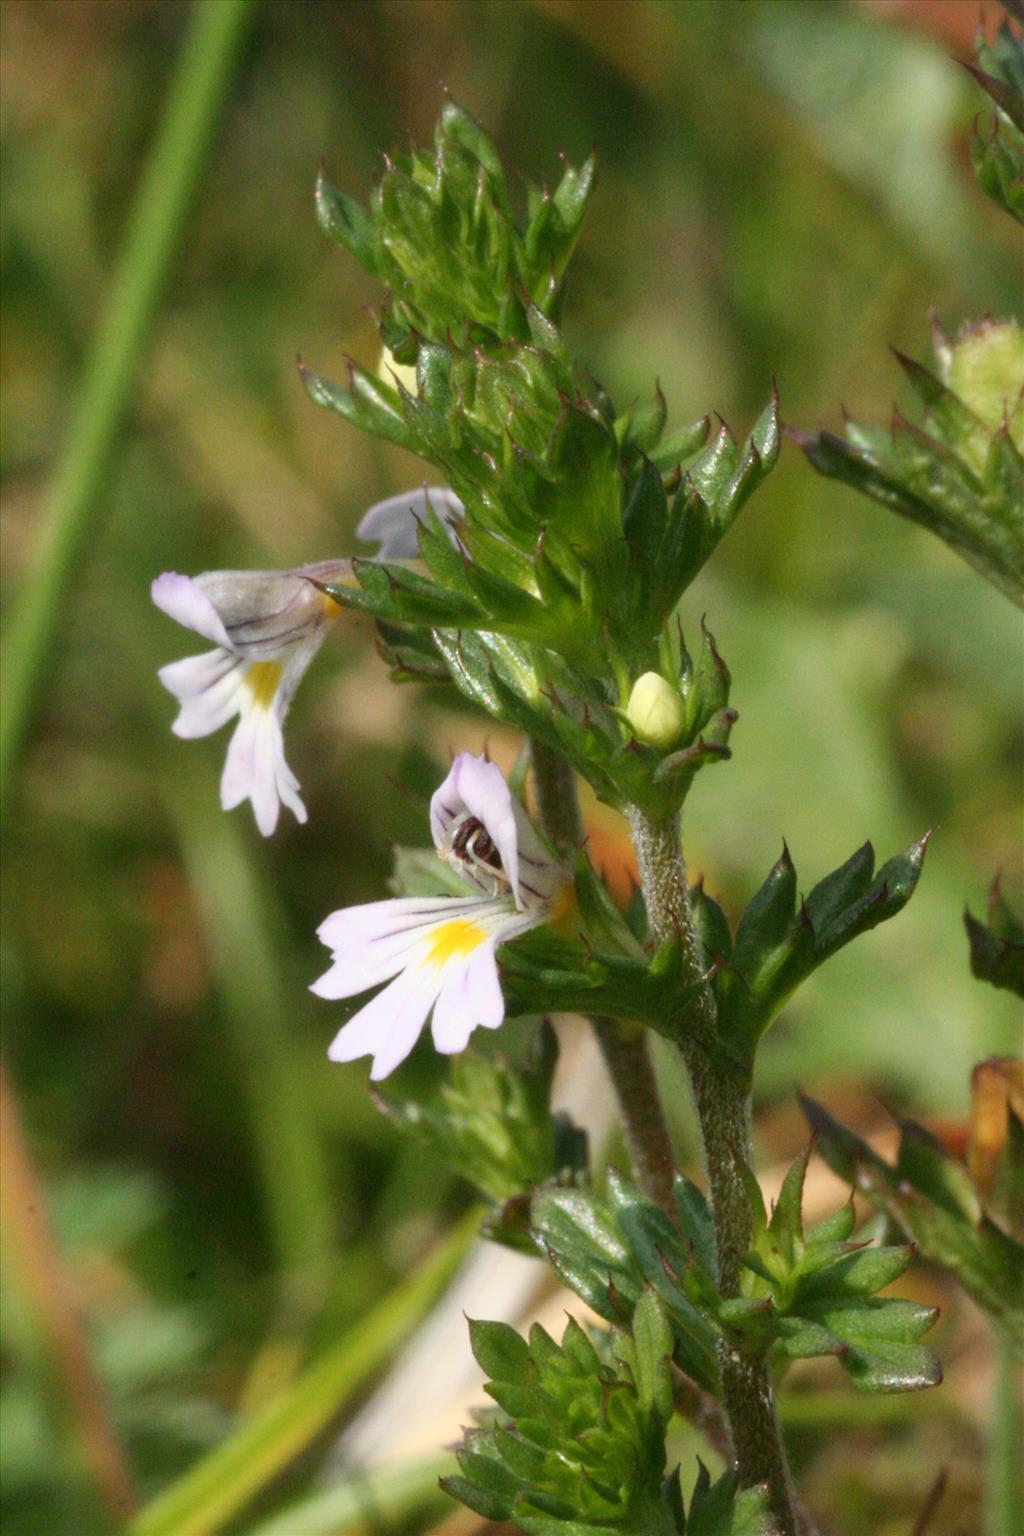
(156, 225)
(1004, 1460)
(242, 929)
(377, 1498)
(225, 1481)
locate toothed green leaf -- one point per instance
(932, 1206)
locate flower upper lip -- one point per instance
(476, 790)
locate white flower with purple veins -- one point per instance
(394, 523)
(266, 627)
(438, 952)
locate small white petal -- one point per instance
(356, 970)
(185, 678)
(287, 783)
(394, 523)
(249, 767)
(477, 788)
(215, 699)
(483, 988)
(388, 1026)
(183, 599)
(470, 995)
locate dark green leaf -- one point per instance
(499, 1351)
(654, 1345)
(767, 918)
(345, 221)
(987, 1261)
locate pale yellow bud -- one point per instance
(655, 711)
(405, 373)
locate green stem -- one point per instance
(1004, 1478)
(723, 1112)
(157, 224)
(557, 799)
(624, 1047)
(651, 1156)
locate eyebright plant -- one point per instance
(540, 569)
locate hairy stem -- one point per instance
(623, 1046)
(723, 1111)
(557, 799)
(648, 1142)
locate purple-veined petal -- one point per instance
(183, 599)
(438, 953)
(389, 1025)
(209, 688)
(352, 927)
(372, 943)
(268, 626)
(540, 876)
(475, 787)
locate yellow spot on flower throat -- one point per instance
(262, 679)
(459, 937)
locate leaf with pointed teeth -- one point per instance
(932, 1206)
(367, 403)
(345, 221)
(583, 1450)
(965, 481)
(681, 444)
(609, 1249)
(768, 917)
(997, 949)
(777, 947)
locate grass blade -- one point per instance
(377, 1498)
(157, 223)
(220, 1485)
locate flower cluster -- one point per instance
(436, 953)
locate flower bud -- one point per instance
(390, 369)
(985, 367)
(655, 711)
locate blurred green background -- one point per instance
(785, 189)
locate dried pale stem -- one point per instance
(33, 1254)
(623, 1046)
(723, 1111)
